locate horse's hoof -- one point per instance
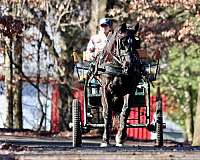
(118, 141)
(104, 144)
(119, 145)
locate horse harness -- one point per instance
(116, 69)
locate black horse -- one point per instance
(123, 70)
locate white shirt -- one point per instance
(95, 46)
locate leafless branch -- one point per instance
(73, 23)
(63, 13)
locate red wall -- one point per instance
(143, 133)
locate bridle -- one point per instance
(119, 53)
(124, 50)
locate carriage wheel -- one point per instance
(76, 117)
(159, 122)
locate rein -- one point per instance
(111, 58)
(112, 68)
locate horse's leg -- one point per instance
(107, 116)
(121, 134)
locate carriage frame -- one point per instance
(92, 100)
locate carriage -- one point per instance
(88, 116)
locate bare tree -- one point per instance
(56, 21)
(17, 87)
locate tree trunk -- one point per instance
(65, 109)
(189, 123)
(9, 85)
(196, 138)
(98, 10)
(189, 115)
(65, 89)
(17, 92)
(110, 4)
(43, 114)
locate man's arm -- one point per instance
(90, 50)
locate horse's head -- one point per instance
(126, 46)
(122, 46)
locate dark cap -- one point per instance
(105, 21)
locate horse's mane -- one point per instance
(120, 32)
(109, 46)
(109, 52)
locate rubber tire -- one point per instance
(76, 119)
(159, 123)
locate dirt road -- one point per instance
(21, 148)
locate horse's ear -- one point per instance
(136, 27)
(123, 27)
